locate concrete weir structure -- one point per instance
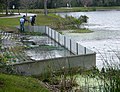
(81, 57)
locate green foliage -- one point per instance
(110, 78)
(69, 22)
(112, 75)
(63, 80)
(83, 18)
(76, 22)
(4, 66)
(13, 83)
(33, 33)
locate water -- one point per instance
(105, 40)
(42, 47)
(104, 20)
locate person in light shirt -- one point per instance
(22, 22)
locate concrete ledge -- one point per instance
(38, 67)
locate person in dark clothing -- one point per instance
(32, 20)
(25, 18)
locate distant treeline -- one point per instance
(39, 4)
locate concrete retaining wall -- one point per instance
(85, 60)
(39, 67)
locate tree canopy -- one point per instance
(39, 4)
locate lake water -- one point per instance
(105, 40)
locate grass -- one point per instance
(40, 20)
(45, 20)
(51, 20)
(9, 24)
(82, 31)
(13, 83)
(2, 15)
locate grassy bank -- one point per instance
(82, 31)
(13, 83)
(40, 20)
(51, 20)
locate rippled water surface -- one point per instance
(105, 40)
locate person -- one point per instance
(22, 22)
(32, 20)
(25, 18)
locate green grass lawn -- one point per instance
(10, 23)
(40, 20)
(13, 83)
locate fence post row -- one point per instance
(53, 34)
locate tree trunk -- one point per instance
(26, 10)
(6, 6)
(45, 7)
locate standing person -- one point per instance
(22, 21)
(32, 20)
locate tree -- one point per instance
(78, 2)
(6, 6)
(27, 4)
(86, 3)
(45, 7)
(1, 5)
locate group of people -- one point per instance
(23, 20)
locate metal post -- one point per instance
(48, 32)
(84, 50)
(45, 30)
(51, 33)
(77, 49)
(64, 41)
(55, 35)
(58, 37)
(70, 45)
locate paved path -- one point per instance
(17, 15)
